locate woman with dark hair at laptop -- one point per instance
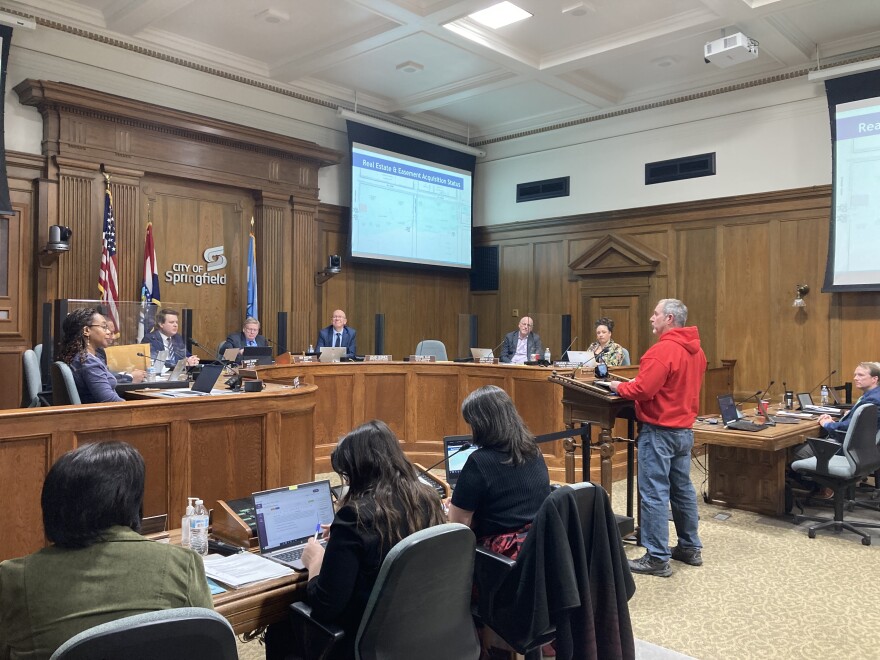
(503, 483)
(385, 502)
(84, 332)
(99, 568)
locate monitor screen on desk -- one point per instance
(332, 353)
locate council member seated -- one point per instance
(99, 568)
(605, 348)
(522, 344)
(385, 503)
(132, 375)
(249, 336)
(865, 377)
(165, 337)
(338, 334)
(84, 331)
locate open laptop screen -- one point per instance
(455, 461)
(289, 516)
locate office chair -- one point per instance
(571, 570)
(861, 457)
(626, 361)
(433, 347)
(32, 395)
(419, 607)
(64, 391)
(183, 633)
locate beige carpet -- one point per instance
(764, 591)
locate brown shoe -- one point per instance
(824, 494)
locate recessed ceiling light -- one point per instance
(497, 16)
(410, 67)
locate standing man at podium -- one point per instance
(667, 397)
(338, 334)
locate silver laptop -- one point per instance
(585, 358)
(288, 517)
(231, 354)
(332, 353)
(478, 353)
(175, 373)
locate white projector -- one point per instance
(727, 51)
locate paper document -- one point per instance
(243, 568)
(786, 413)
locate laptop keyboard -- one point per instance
(293, 555)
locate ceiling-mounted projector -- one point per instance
(727, 51)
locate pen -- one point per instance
(317, 530)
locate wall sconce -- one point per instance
(800, 291)
(59, 242)
(334, 267)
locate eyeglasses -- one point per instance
(103, 327)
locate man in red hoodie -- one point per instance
(667, 396)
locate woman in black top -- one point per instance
(504, 482)
(385, 502)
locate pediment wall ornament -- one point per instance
(616, 255)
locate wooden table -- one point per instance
(747, 469)
(210, 447)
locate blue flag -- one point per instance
(252, 278)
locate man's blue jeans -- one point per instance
(664, 479)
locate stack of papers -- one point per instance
(243, 568)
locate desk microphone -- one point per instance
(833, 371)
(767, 389)
(152, 359)
(565, 352)
(756, 396)
(497, 347)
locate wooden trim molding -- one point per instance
(616, 255)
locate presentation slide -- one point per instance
(410, 211)
(857, 193)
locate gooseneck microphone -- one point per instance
(204, 348)
(756, 396)
(152, 359)
(767, 389)
(569, 346)
(497, 347)
(822, 382)
(466, 445)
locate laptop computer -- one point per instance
(262, 354)
(585, 358)
(730, 415)
(805, 400)
(455, 457)
(178, 370)
(288, 517)
(202, 386)
(332, 353)
(477, 353)
(771, 420)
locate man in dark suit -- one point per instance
(165, 337)
(521, 345)
(249, 336)
(338, 334)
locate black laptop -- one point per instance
(261, 354)
(455, 456)
(202, 385)
(730, 415)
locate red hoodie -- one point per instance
(667, 389)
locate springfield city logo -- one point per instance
(200, 274)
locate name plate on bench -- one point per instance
(304, 358)
(377, 358)
(487, 360)
(422, 358)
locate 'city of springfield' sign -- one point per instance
(199, 274)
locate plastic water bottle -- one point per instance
(198, 529)
(823, 396)
(311, 349)
(546, 355)
(151, 374)
(185, 521)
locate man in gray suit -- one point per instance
(521, 345)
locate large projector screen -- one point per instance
(411, 201)
(854, 242)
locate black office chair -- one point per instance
(419, 607)
(184, 633)
(861, 457)
(572, 555)
(64, 392)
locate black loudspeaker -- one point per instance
(281, 334)
(253, 386)
(566, 333)
(474, 327)
(187, 324)
(380, 334)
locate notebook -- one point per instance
(455, 457)
(288, 517)
(730, 415)
(477, 353)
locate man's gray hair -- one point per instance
(250, 320)
(678, 310)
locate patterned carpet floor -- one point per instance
(765, 591)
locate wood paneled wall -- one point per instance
(735, 263)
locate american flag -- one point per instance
(108, 283)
